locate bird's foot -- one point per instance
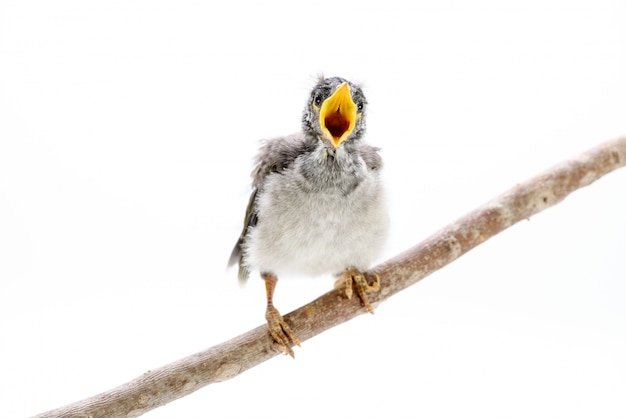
(280, 332)
(353, 276)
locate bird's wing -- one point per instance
(237, 255)
(275, 155)
(372, 158)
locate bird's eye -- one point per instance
(359, 107)
(318, 100)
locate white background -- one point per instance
(127, 130)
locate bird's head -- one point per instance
(335, 112)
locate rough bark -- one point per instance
(224, 361)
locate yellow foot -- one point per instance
(351, 276)
(283, 336)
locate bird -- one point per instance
(317, 204)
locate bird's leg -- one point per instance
(352, 275)
(278, 328)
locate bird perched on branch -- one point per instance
(317, 205)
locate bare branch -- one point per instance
(158, 387)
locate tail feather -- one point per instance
(237, 257)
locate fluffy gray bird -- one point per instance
(317, 204)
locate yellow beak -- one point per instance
(338, 115)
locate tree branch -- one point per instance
(224, 361)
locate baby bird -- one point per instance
(317, 205)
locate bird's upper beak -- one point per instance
(338, 115)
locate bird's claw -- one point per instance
(352, 276)
(280, 332)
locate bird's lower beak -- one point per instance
(338, 115)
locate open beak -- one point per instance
(338, 115)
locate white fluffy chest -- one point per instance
(300, 231)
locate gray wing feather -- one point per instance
(237, 255)
(372, 158)
(274, 156)
(277, 155)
